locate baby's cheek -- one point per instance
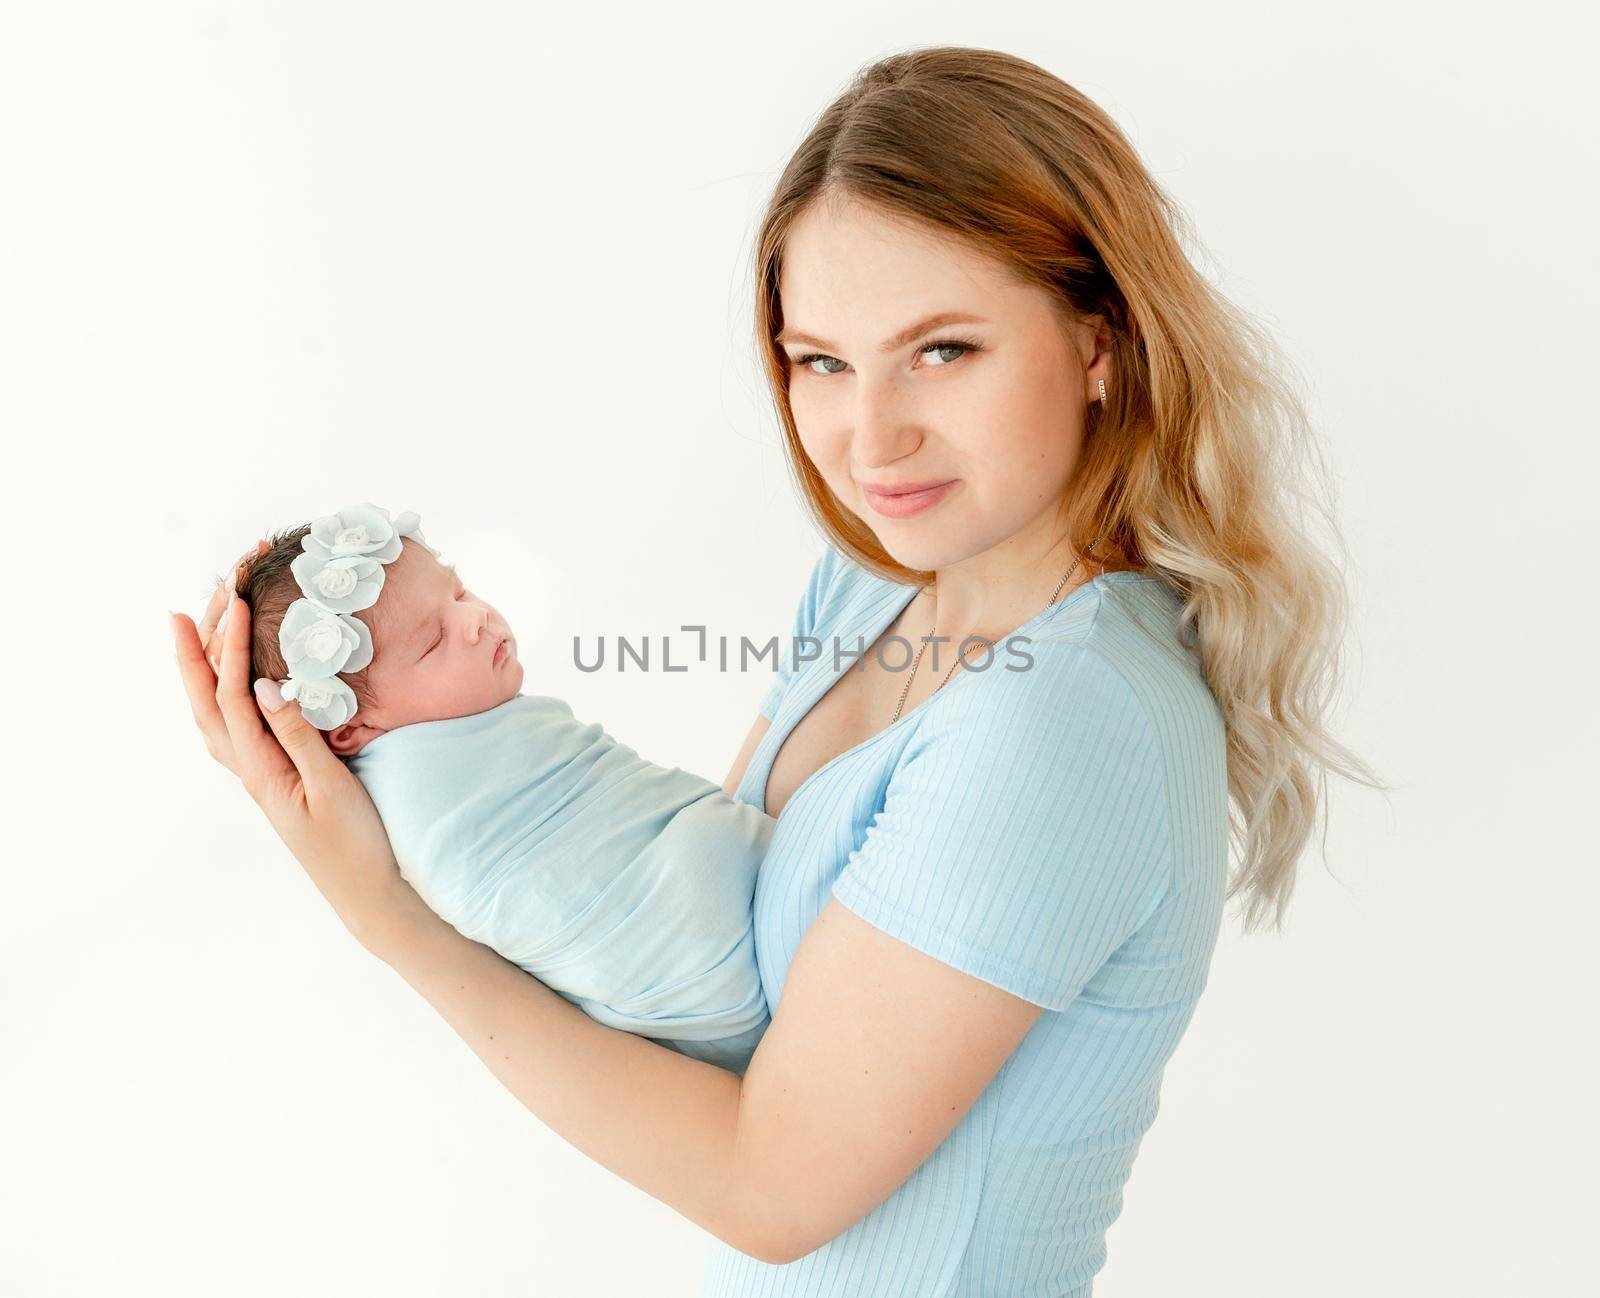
(472, 691)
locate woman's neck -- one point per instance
(991, 594)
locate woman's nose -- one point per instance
(884, 429)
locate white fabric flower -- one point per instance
(346, 584)
(318, 643)
(323, 640)
(327, 705)
(364, 529)
(339, 572)
(334, 583)
(409, 525)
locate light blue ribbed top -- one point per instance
(1060, 832)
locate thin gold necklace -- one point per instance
(961, 653)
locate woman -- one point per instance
(993, 892)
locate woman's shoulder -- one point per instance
(1118, 644)
(840, 593)
(842, 585)
(1033, 819)
(1109, 746)
(1132, 624)
(1108, 672)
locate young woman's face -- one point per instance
(883, 398)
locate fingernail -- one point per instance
(268, 694)
(222, 621)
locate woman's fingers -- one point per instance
(260, 761)
(210, 624)
(319, 767)
(213, 620)
(200, 684)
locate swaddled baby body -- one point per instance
(624, 886)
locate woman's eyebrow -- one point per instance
(909, 334)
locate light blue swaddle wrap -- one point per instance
(622, 885)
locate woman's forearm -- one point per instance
(658, 1119)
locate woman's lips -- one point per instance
(905, 504)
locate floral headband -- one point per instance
(340, 573)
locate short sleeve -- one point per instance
(1024, 834)
(805, 622)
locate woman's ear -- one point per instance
(1095, 341)
(349, 739)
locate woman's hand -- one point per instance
(212, 620)
(319, 809)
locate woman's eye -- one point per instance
(805, 362)
(952, 345)
(961, 345)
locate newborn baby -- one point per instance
(622, 885)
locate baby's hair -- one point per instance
(268, 586)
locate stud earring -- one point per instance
(1102, 384)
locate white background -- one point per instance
(491, 262)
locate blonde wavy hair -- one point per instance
(1201, 468)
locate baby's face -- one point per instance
(438, 651)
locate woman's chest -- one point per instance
(845, 717)
(859, 702)
(821, 829)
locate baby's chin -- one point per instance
(513, 686)
(507, 685)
